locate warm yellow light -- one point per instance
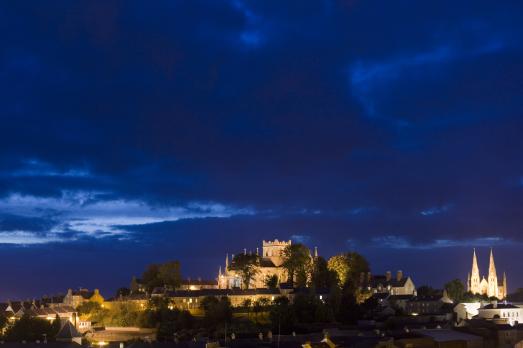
(102, 343)
(50, 318)
(414, 314)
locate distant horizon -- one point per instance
(109, 292)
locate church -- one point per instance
(271, 260)
(490, 286)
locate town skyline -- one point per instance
(421, 278)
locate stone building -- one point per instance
(501, 312)
(491, 286)
(271, 260)
(74, 298)
(398, 285)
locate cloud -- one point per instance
(89, 214)
(436, 210)
(400, 242)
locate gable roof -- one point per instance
(68, 331)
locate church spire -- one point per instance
(226, 262)
(493, 290)
(475, 268)
(492, 265)
(474, 280)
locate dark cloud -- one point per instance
(192, 128)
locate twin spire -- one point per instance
(489, 286)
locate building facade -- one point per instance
(490, 286)
(271, 260)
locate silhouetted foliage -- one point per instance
(162, 275)
(455, 290)
(246, 265)
(282, 316)
(30, 329)
(297, 262)
(218, 312)
(271, 281)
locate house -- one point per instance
(434, 304)
(68, 333)
(197, 284)
(398, 285)
(78, 297)
(501, 313)
(187, 299)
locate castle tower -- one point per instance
(273, 251)
(492, 278)
(474, 279)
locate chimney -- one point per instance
(399, 275)
(369, 277)
(388, 276)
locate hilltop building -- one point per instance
(490, 286)
(271, 260)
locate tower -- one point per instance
(474, 278)
(493, 290)
(503, 294)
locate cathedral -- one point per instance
(271, 260)
(490, 286)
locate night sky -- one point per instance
(135, 132)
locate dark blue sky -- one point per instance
(135, 132)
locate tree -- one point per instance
(271, 281)
(455, 290)
(135, 285)
(358, 264)
(340, 265)
(247, 265)
(169, 274)
(161, 275)
(150, 277)
(56, 326)
(348, 267)
(322, 277)
(217, 311)
(282, 316)
(426, 291)
(297, 263)
(122, 292)
(29, 329)
(3, 321)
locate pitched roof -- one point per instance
(499, 306)
(222, 292)
(264, 262)
(378, 280)
(68, 331)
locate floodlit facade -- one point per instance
(490, 286)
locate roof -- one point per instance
(68, 331)
(499, 306)
(445, 335)
(378, 280)
(50, 311)
(401, 297)
(198, 282)
(437, 298)
(264, 262)
(222, 292)
(84, 293)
